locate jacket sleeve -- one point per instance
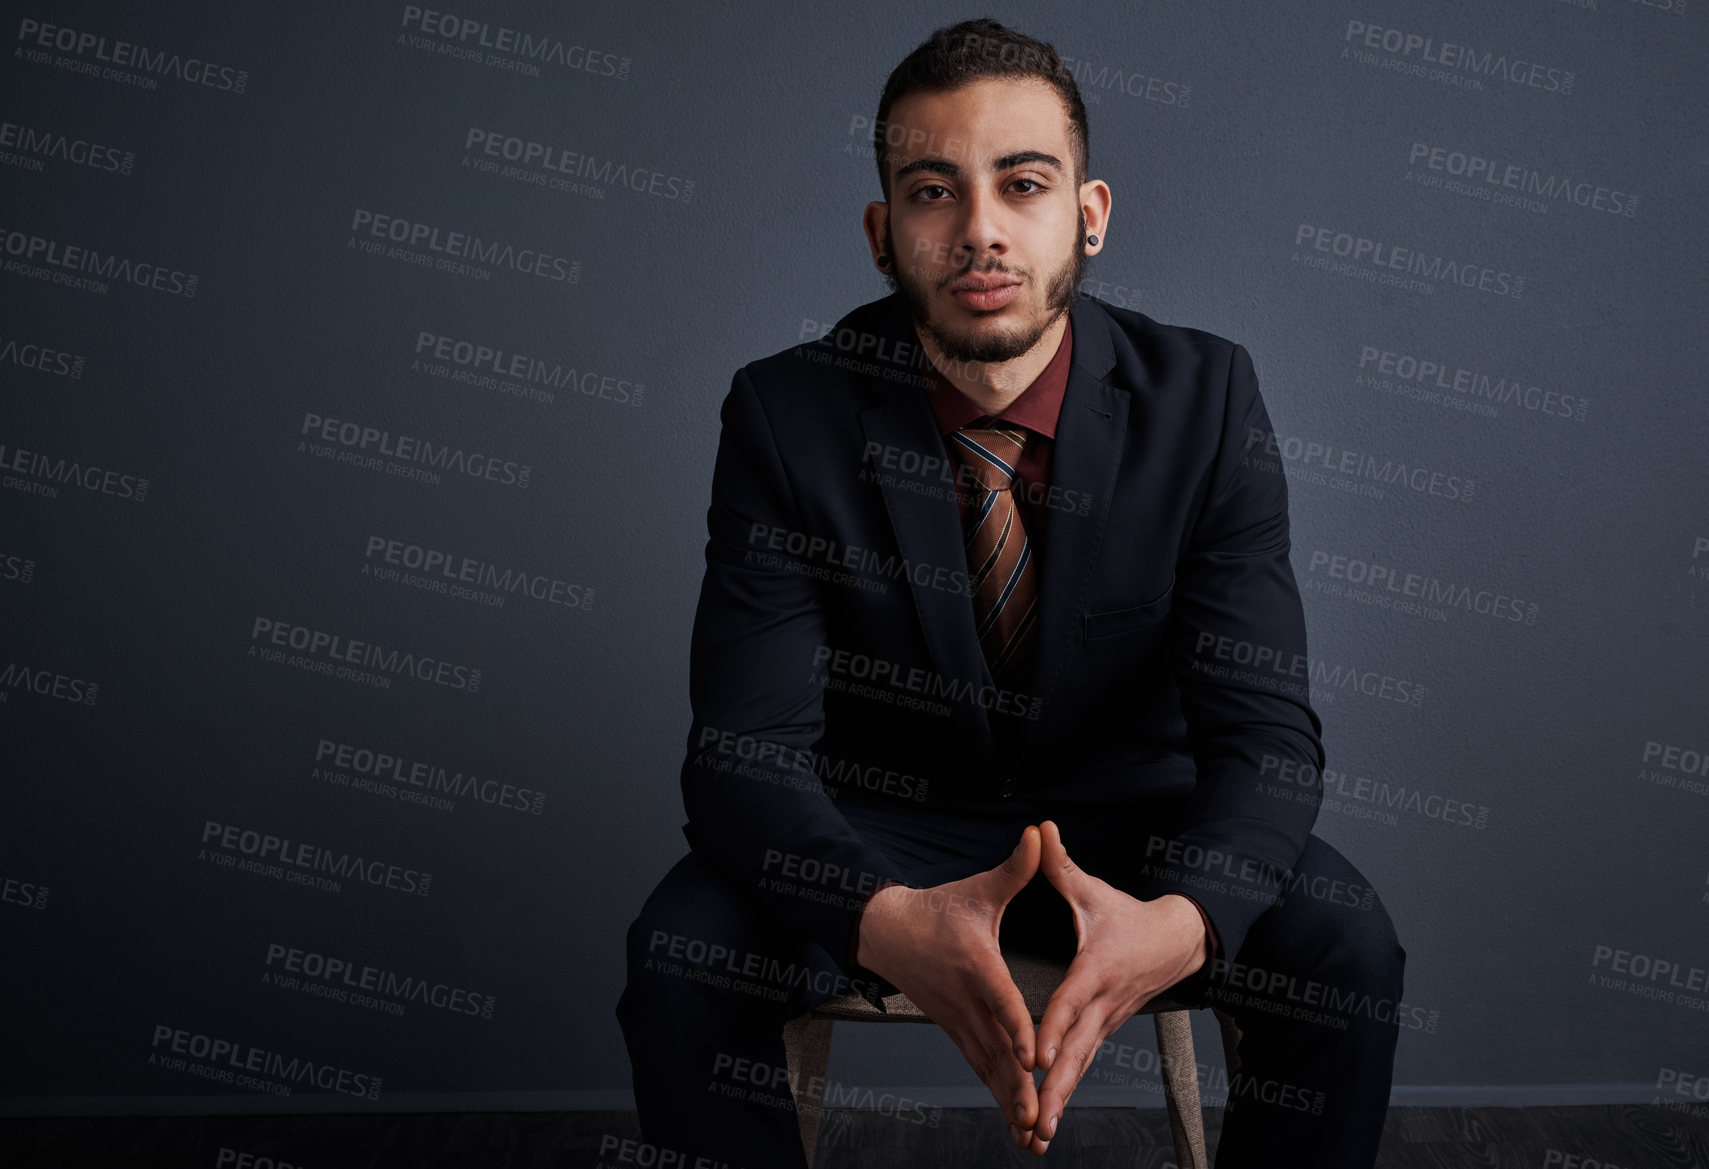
(1238, 650)
(755, 805)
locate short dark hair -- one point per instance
(972, 50)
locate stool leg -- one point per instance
(1181, 1087)
(1230, 1040)
(807, 1048)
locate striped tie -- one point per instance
(999, 555)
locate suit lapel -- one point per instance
(1084, 460)
(923, 515)
(927, 525)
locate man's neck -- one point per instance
(993, 385)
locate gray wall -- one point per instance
(1535, 818)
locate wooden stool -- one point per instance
(807, 1042)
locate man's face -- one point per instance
(955, 218)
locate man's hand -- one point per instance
(1128, 951)
(939, 947)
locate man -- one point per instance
(994, 593)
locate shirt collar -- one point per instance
(1037, 407)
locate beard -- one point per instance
(984, 342)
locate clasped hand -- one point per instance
(939, 946)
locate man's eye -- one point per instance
(1035, 188)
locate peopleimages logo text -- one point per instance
(27, 248)
(229, 1060)
(411, 449)
(464, 29)
(265, 846)
(40, 144)
(126, 55)
(1467, 273)
(333, 646)
(463, 246)
(1527, 180)
(46, 473)
(1459, 58)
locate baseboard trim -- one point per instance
(614, 1100)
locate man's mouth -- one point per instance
(985, 293)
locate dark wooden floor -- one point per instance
(1600, 1137)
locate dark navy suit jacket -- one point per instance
(834, 646)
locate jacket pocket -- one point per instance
(1113, 621)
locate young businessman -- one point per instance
(999, 646)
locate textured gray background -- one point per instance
(1256, 122)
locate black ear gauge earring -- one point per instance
(1092, 240)
(883, 260)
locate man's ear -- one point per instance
(872, 221)
(1095, 201)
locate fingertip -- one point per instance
(1050, 836)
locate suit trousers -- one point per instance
(1315, 989)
